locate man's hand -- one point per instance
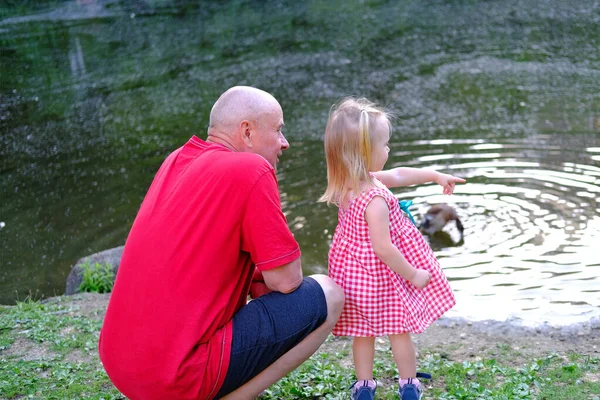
(258, 287)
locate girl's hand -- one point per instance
(420, 279)
(448, 182)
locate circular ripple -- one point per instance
(531, 218)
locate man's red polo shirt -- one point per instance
(209, 216)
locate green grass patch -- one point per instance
(97, 277)
(40, 366)
(553, 377)
(55, 380)
(327, 375)
(53, 325)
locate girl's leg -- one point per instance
(404, 355)
(363, 350)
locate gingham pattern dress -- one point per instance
(380, 302)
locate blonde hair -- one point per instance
(348, 146)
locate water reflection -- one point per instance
(94, 94)
(529, 229)
(76, 58)
(530, 226)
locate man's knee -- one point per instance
(334, 294)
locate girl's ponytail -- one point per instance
(365, 138)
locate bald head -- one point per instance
(246, 119)
(238, 104)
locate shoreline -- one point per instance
(513, 326)
(59, 336)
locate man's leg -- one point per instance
(334, 296)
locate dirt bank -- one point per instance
(454, 339)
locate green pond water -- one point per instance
(95, 93)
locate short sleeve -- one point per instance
(265, 233)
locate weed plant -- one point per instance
(98, 278)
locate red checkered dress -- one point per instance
(379, 301)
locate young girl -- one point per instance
(393, 283)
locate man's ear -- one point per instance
(246, 132)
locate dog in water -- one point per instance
(437, 217)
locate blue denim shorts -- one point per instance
(267, 327)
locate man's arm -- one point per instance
(284, 279)
(268, 239)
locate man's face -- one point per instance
(269, 141)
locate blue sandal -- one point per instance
(410, 391)
(364, 392)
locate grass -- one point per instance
(551, 377)
(97, 277)
(52, 325)
(48, 351)
(55, 379)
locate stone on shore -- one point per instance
(111, 256)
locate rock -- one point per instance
(111, 256)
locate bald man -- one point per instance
(209, 231)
